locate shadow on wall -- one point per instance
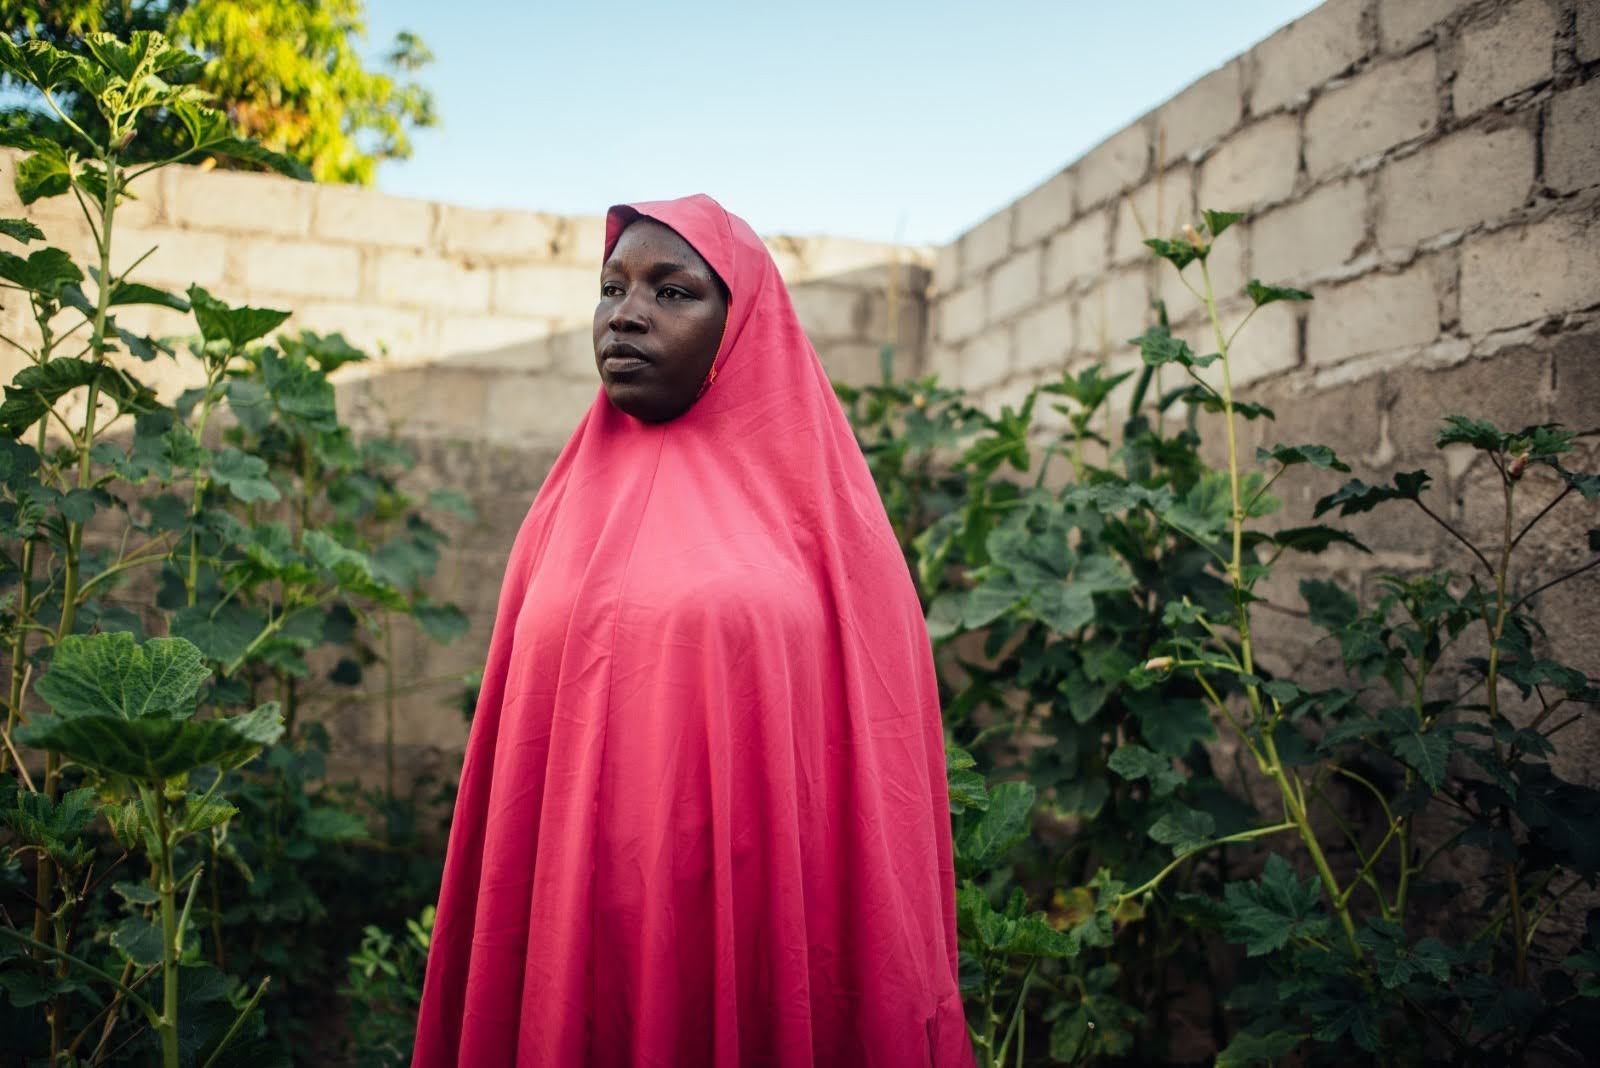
(491, 422)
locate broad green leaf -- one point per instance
(1262, 294)
(137, 893)
(250, 403)
(221, 634)
(236, 326)
(1319, 456)
(1136, 762)
(326, 823)
(1426, 752)
(1479, 433)
(1356, 496)
(443, 623)
(153, 750)
(1176, 252)
(55, 826)
(1265, 914)
(22, 230)
(300, 391)
(244, 476)
(44, 271)
(139, 940)
(37, 62)
(38, 386)
(47, 173)
(1251, 1050)
(113, 674)
(1171, 725)
(1332, 607)
(202, 817)
(1184, 829)
(452, 501)
(1396, 962)
(1316, 539)
(1002, 825)
(1218, 221)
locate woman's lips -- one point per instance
(623, 365)
(622, 358)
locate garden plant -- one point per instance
(1133, 792)
(180, 881)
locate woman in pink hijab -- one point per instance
(703, 817)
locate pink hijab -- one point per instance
(703, 816)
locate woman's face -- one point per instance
(658, 323)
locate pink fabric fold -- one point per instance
(703, 816)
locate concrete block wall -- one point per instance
(1430, 171)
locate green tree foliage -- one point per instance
(286, 73)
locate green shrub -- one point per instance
(1096, 640)
(182, 856)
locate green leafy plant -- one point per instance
(1098, 653)
(276, 553)
(385, 986)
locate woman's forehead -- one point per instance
(652, 244)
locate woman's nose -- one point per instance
(626, 315)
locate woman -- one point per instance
(703, 816)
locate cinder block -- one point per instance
(430, 282)
(1469, 177)
(302, 268)
(368, 217)
(1256, 166)
(986, 244)
(1117, 163)
(945, 362)
(985, 359)
(1159, 208)
(1377, 312)
(1077, 252)
(1201, 115)
(961, 314)
(457, 334)
(831, 312)
(180, 256)
(1114, 311)
(801, 259)
(1503, 56)
(1044, 211)
(1306, 53)
(581, 239)
(1520, 274)
(537, 408)
(1269, 345)
(947, 267)
(1588, 32)
(548, 290)
(1043, 338)
(1300, 241)
(1380, 108)
(858, 363)
(375, 328)
(1400, 22)
(1015, 284)
(240, 201)
(1572, 138)
(498, 235)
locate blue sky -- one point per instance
(888, 121)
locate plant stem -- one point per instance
(1242, 836)
(167, 888)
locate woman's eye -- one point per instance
(610, 289)
(674, 292)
